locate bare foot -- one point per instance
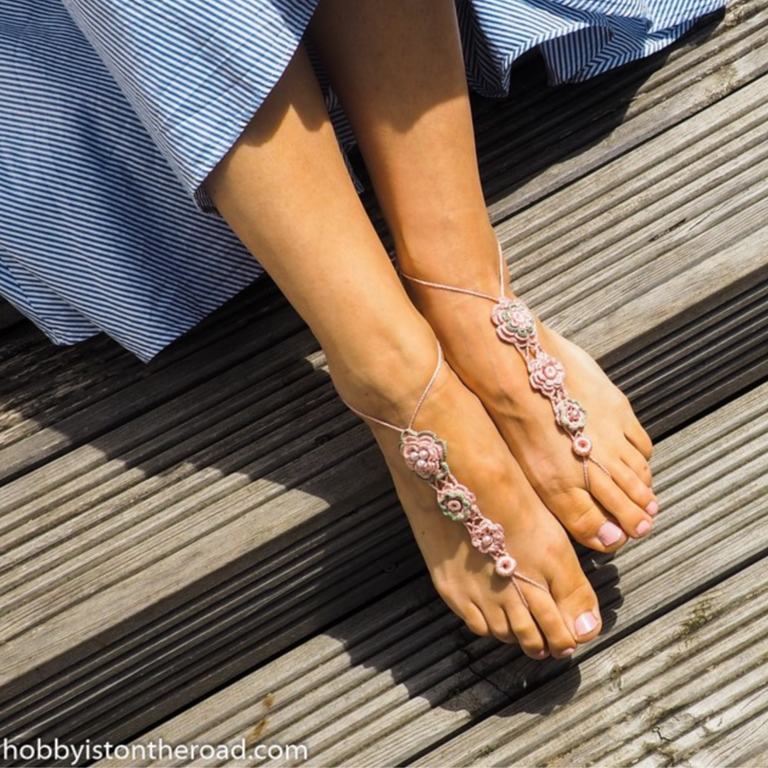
(621, 502)
(556, 618)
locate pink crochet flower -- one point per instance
(570, 415)
(488, 537)
(505, 565)
(424, 454)
(455, 500)
(546, 374)
(514, 322)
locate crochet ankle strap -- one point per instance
(516, 325)
(426, 455)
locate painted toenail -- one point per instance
(643, 528)
(609, 533)
(653, 508)
(585, 624)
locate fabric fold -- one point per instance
(113, 113)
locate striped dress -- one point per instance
(112, 114)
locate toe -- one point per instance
(501, 625)
(638, 491)
(639, 438)
(638, 464)
(628, 513)
(588, 523)
(552, 623)
(580, 612)
(586, 626)
(527, 633)
(473, 618)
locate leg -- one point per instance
(285, 190)
(414, 127)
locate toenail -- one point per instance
(585, 624)
(541, 654)
(653, 508)
(643, 528)
(609, 533)
(567, 653)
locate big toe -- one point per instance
(580, 611)
(569, 614)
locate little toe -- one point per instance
(641, 440)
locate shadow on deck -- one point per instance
(208, 549)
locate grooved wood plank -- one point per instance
(744, 746)
(718, 702)
(685, 673)
(402, 675)
(41, 385)
(125, 404)
(731, 57)
(67, 553)
(204, 445)
(719, 351)
(135, 545)
(101, 712)
(673, 293)
(253, 614)
(211, 529)
(639, 197)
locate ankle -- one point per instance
(453, 251)
(385, 378)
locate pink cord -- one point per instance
(516, 325)
(426, 454)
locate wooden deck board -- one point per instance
(634, 108)
(660, 204)
(152, 518)
(403, 675)
(119, 407)
(639, 698)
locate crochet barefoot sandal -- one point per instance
(426, 454)
(516, 325)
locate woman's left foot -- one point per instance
(620, 502)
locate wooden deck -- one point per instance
(208, 549)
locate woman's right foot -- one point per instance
(555, 620)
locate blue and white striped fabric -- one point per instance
(102, 164)
(96, 233)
